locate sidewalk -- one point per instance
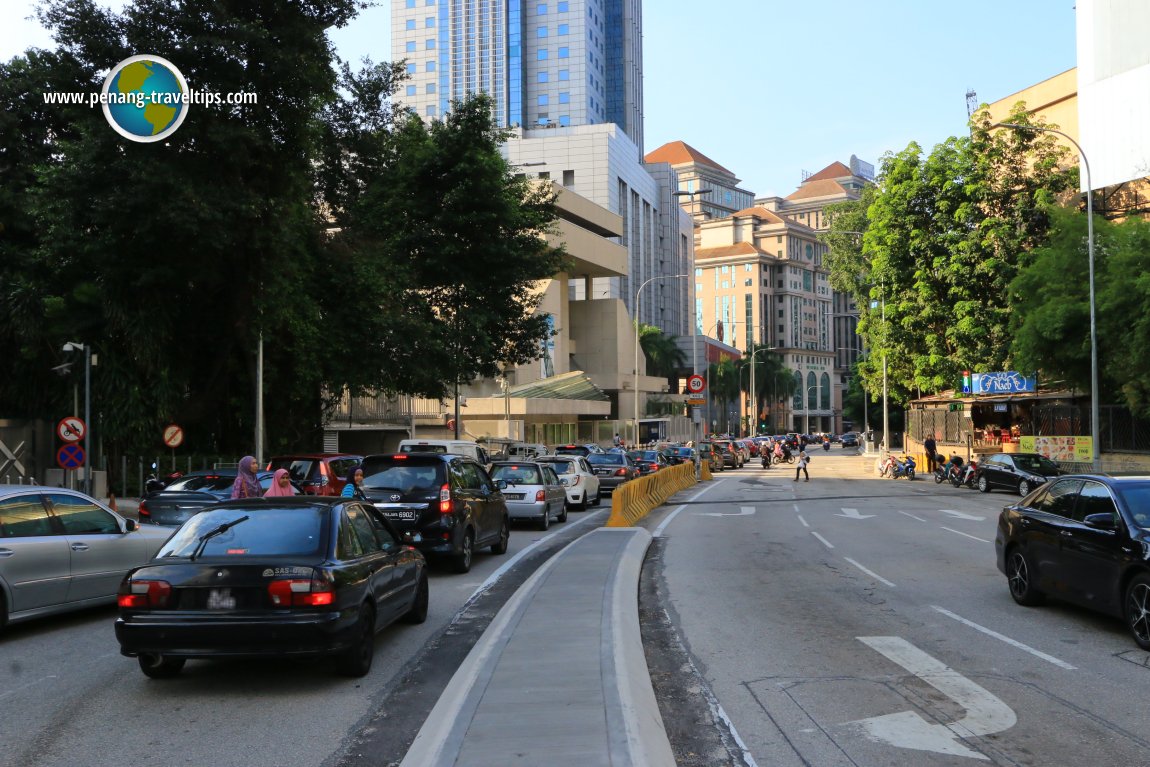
(559, 677)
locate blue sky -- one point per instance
(769, 89)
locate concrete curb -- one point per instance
(635, 733)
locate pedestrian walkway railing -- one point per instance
(634, 500)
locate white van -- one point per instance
(453, 446)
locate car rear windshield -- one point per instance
(562, 467)
(680, 451)
(300, 469)
(403, 474)
(423, 447)
(203, 483)
(614, 459)
(517, 473)
(267, 532)
(573, 450)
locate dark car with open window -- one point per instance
(300, 576)
(1084, 539)
(448, 502)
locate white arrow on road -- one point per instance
(961, 515)
(854, 514)
(745, 511)
(985, 714)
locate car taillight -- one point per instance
(540, 495)
(620, 472)
(144, 511)
(301, 592)
(144, 593)
(574, 480)
(445, 499)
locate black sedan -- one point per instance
(1017, 472)
(1084, 539)
(272, 577)
(192, 493)
(613, 469)
(648, 461)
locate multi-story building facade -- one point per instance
(706, 190)
(545, 63)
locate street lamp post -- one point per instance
(73, 346)
(638, 293)
(1094, 394)
(754, 394)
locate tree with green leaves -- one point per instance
(664, 357)
(942, 238)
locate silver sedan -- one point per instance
(533, 491)
(61, 550)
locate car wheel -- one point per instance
(356, 660)
(461, 562)
(418, 612)
(1023, 487)
(545, 520)
(983, 485)
(1020, 578)
(1138, 610)
(500, 546)
(563, 513)
(598, 498)
(156, 666)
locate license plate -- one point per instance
(602, 472)
(221, 599)
(406, 515)
(513, 496)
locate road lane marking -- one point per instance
(968, 535)
(1008, 640)
(803, 521)
(985, 713)
(912, 516)
(659, 530)
(796, 508)
(39, 681)
(961, 515)
(854, 514)
(744, 511)
(868, 572)
(826, 543)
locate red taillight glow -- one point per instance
(299, 592)
(144, 511)
(540, 495)
(144, 594)
(400, 457)
(620, 472)
(445, 499)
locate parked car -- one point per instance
(533, 491)
(1017, 472)
(612, 469)
(472, 450)
(272, 577)
(728, 453)
(194, 492)
(850, 439)
(61, 550)
(317, 473)
(578, 479)
(580, 450)
(676, 455)
(1084, 539)
(448, 502)
(711, 456)
(648, 461)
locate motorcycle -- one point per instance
(949, 471)
(967, 476)
(897, 468)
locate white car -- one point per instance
(578, 478)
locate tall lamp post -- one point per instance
(69, 347)
(754, 393)
(1094, 425)
(638, 293)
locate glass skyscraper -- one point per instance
(546, 63)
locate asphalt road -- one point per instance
(858, 621)
(68, 698)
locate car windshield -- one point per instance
(517, 473)
(213, 483)
(403, 475)
(1136, 497)
(423, 447)
(607, 459)
(1039, 464)
(268, 532)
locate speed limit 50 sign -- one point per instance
(696, 384)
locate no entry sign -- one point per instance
(173, 435)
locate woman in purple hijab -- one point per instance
(246, 484)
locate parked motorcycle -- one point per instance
(948, 471)
(967, 476)
(903, 468)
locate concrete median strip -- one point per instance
(559, 677)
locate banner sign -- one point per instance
(1074, 449)
(1008, 382)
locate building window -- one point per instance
(749, 282)
(542, 54)
(541, 32)
(542, 77)
(431, 111)
(410, 46)
(411, 69)
(411, 90)
(410, 3)
(564, 74)
(430, 88)
(543, 100)
(563, 7)
(410, 24)
(429, 44)
(568, 178)
(563, 29)
(565, 120)
(565, 98)
(429, 22)
(541, 9)
(430, 67)
(564, 52)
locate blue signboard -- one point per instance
(1008, 382)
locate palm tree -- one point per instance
(774, 382)
(664, 357)
(725, 387)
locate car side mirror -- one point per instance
(1103, 521)
(131, 525)
(501, 484)
(563, 481)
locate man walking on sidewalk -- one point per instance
(802, 466)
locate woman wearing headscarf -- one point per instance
(354, 486)
(246, 484)
(281, 485)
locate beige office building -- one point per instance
(706, 190)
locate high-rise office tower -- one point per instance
(546, 63)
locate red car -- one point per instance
(317, 473)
